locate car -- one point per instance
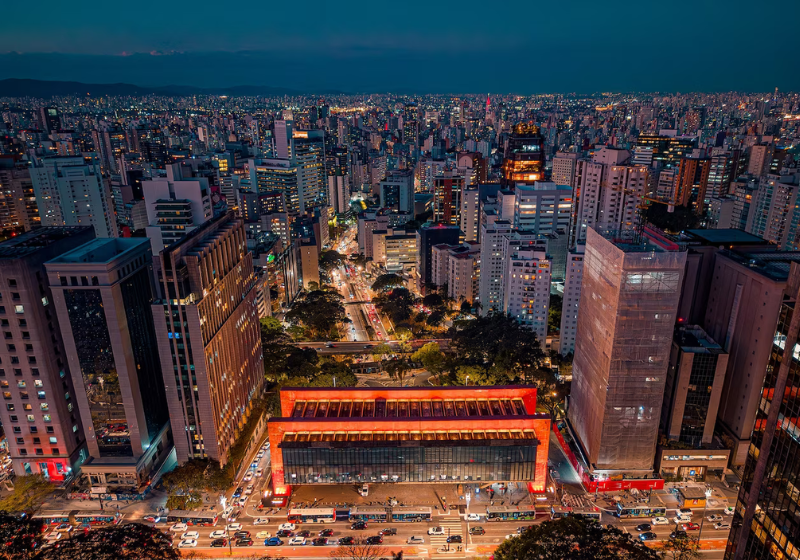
(219, 543)
(238, 492)
(248, 477)
(720, 525)
(284, 533)
(477, 531)
(287, 526)
(358, 526)
(644, 527)
(685, 511)
(388, 531)
(234, 515)
(678, 519)
(263, 535)
(473, 517)
(326, 533)
(297, 541)
(376, 539)
(659, 521)
(218, 535)
(347, 540)
(179, 528)
(241, 535)
(64, 528)
(244, 542)
(260, 521)
(233, 527)
(511, 536)
(248, 490)
(521, 530)
(454, 539)
(415, 540)
(187, 543)
(259, 455)
(330, 345)
(648, 536)
(728, 510)
(259, 472)
(242, 501)
(52, 537)
(319, 541)
(305, 533)
(690, 526)
(274, 541)
(190, 535)
(152, 518)
(436, 531)
(714, 518)
(677, 534)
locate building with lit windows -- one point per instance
(526, 288)
(543, 207)
(409, 435)
(524, 156)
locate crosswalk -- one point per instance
(452, 526)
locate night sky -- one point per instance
(355, 46)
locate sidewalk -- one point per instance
(135, 509)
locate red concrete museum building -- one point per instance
(409, 435)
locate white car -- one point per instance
(233, 527)
(511, 536)
(242, 501)
(260, 455)
(728, 510)
(187, 543)
(259, 472)
(179, 528)
(678, 519)
(190, 535)
(436, 531)
(659, 521)
(248, 477)
(415, 540)
(473, 517)
(297, 541)
(261, 521)
(64, 528)
(218, 535)
(287, 527)
(722, 525)
(714, 518)
(263, 535)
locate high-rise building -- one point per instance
(447, 199)
(103, 293)
(308, 151)
(774, 212)
(524, 156)
(667, 150)
(207, 332)
(543, 207)
(40, 417)
(397, 190)
(427, 236)
(400, 250)
(692, 182)
(70, 191)
(18, 207)
(570, 300)
(526, 289)
(51, 120)
(471, 213)
(760, 159)
(492, 264)
(765, 525)
(628, 308)
(563, 172)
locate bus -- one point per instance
(97, 518)
(312, 515)
(411, 514)
(633, 509)
(55, 517)
(587, 513)
(198, 518)
(559, 512)
(368, 513)
(510, 513)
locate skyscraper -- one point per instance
(103, 293)
(428, 236)
(18, 207)
(39, 414)
(543, 207)
(628, 308)
(447, 199)
(492, 261)
(526, 289)
(524, 156)
(208, 337)
(397, 190)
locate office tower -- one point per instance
(339, 193)
(719, 175)
(397, 190)
(524, 156)
(207, 298)
(543, 207)
(473, 165)
(50, 119)
(642, 155)
(628, 307)
(570, 300)
(563, 172)
(70, 191)
(492, 264)
(308, 152)
(667, 150)
(377, 170)
(400, 251)
(692, 394)
(447, 199)
(18, 207)
(39, 415)
(760, 158)
(427, 236)
(526, 289)
(309, 262)
(176, 205)
(102, 294)
(692, 182)
(282, 138)
(471, 213)
(775, 210)
(607, 193)
(288, 177)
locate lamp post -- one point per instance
(466, 380)
(705, 505)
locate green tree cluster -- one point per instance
(28, 494)
(386, 282)
(319, 312)
(397, 304)
(129, 541)
(185, 484)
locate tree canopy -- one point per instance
(397, 304)
(319, 312)
(28, 495)
(386, 282)
(431, 357)
(132, 540)
(185, 483)
(573, 538)
(20, 536)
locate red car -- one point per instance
(690, 526)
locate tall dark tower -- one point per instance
(524, 157)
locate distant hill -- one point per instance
(15, 87)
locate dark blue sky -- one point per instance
(525, 46)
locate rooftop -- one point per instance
(401, 408)
(349, 437)
(30, 242)
(102, 250)
(695, 340)
(723, 237)
(774, 265)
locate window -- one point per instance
(31, 418)
(39, 452)
(50, 429)
(26, 336)
(10, 406)
(22, 322)
(63, 280)
(12, 283)
(19, 309)
(46, 418)
(40, 394)
(23, 395)
(21, 384)
(23, 451)
(15, 296)
(53, 439)
(17, 430)
(34, 429)
(31, 359)
(11, 347)
(44, 406)
(7, 395)
(38, 383)
(54, 451)
(21, 440)
(29, 347)
(14, 418)
(14, 359)
(37, 440)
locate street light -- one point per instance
(466, 380)
(705, 505)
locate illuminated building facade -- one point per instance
(524, 156)
(409, 435)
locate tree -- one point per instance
(19, 536)
(683, 217)
(397, 368)
(682, 548)
(29, 493)
(433, 301)
(129, 541)
(554, 314)
(431, 357)
(386, 282)
(328, 260)
(572, 538)
(380, 350)
(360, 550)
(185, 483)
(397, 304)
(320, 311)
